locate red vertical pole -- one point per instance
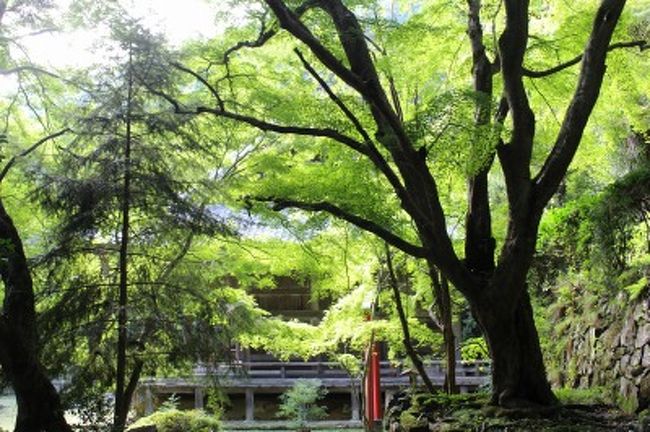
(372, 384)
(375, 373)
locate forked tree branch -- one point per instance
(265, 34)
(354, 43)
(361, 75)
(372, 152)
(641, 44)
(290, 21)
(363, 223)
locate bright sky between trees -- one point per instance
(179, 21)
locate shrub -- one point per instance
(474, 349)
(299, 403)
(174, 420)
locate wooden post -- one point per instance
(250, 404)
(198, 398)
(457, 330)
(354, 404)
(148, 401)
(388, 394)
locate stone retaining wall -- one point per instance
(610, 348)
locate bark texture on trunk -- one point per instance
(518, 372)
(39, 406)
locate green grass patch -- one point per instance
(589, 396)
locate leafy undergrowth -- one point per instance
(471, 413)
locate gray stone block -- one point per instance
(643, 336)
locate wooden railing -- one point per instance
(276, 376)
(330, 370)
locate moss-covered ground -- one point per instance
(472, 413)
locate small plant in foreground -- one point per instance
(299, 403)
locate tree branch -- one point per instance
(290, 21)
(27, 68)
(40, 71)
(283, 129)
(339, 103)
(372, 152)
(515, 157)
(408, 345)
(582, 103)
(26, 152)
(365, 224)
(641, 44)
(262, 124)
(213, 91)
(265, 33)
(426, 210)
(479, 243)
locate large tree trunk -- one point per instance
(39, 406)
(518, 373)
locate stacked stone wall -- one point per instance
(609, 348)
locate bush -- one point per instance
(174, 420)
(474, 349)
(299, 403)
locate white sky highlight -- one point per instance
(179, 21)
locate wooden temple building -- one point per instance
(254, 381)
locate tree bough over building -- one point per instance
(353, 97)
